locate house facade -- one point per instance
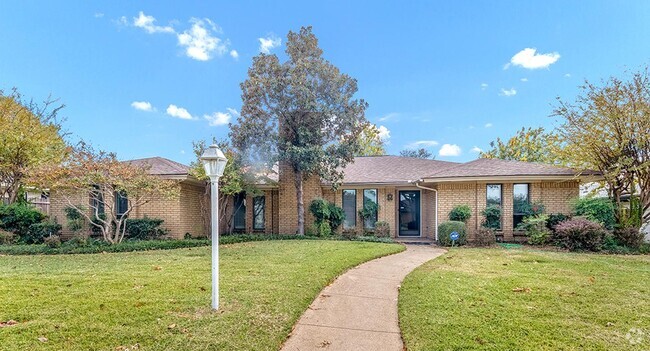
(415, 195)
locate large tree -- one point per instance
(371, 142)
(30, 136)
(114, 189)
(236, 179)
(608, 129)
(528, 144)
(301, 113)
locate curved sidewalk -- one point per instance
(358, 311)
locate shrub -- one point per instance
(600, 210)
(53, 241)
(492, 217)
(7, 238)
(75, 220)
(18, 217)
(536, 230)
(446, 228)
(629, 237)
(325, 211)
(460, 213)
(580, 234)
(382, 229)
(555, 219)
(368, 212)
(336, 216)
(37, 232)
(531, 209)
(144, 228)
(324, 229)
(485, 237)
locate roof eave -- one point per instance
(583, 178)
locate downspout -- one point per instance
(417, 185)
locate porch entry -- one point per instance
(409, 213)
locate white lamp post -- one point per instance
(214, 163)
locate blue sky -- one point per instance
(459, 73)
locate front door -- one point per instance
(409, 213)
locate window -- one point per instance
(520, 201)
(370, 208)
(258, 212)
(121, 203)
(350, 208)
(97, 201)
(494, 198)
(494, 194)
(239, 221)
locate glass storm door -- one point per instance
(409, 213)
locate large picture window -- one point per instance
(258, 212)
(494, 194)
(520, 202)
(239, 220)
(350, 208)
(121, 203)
(370, 208)
(494, 198)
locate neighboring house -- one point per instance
(181, 214)
(415, 195)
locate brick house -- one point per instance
(181, 215)
(415, 195)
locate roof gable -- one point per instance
(161, 166)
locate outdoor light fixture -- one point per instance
(389, 197)
(214, 163)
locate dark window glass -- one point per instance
(494, 194)
(370, 205)
(121, 203)
(258, 212)
(350, 208)
(239, 222)
(520, 201)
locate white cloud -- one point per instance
(147, 23)
(567, 75)
(199, 42)
(509, 92)
(384, 133)
(99, 15)
(178, 112)
(524, 79)
(484, 86)
(221, 118)
(422, 143)
(234, 54)
(142, 106)
(488, 125)
(450, 150)
(529, 58)
(268, 43)
(389, 116)
(477, 149)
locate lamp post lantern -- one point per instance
(214, 163)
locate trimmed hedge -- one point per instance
(446, 228)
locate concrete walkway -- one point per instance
(359, 310)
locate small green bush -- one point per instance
(599, 210)
(629, 237)
(536, 230)
(18, 217)
(382, 229)
(75, 220)
(580, 234)
(492, 217)
(37, 232)
(325, 211)
(460, 213)
(144, 228)
(555, 219)
(7, 238)
(446, 228)
(484, 237)
(52, 242)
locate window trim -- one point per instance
(365, 226)
(257, 200)
(354, 222)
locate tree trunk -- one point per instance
(300, 203)
(644, 198)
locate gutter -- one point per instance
(417, 185)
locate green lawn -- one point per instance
(498, 299)
(160, 299)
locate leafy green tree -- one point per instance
(30, 137)
(301, 113)
(419, 153)
(371, 144)
(528, 144)
(234, 181)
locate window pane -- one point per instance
(370, 205)
(121, 203)
(494, 194)
(240, 212)
(258, 212)
(520, 200)
(350, 208)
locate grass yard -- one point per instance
(159, 300)
(498, 299)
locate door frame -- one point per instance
(397, 217)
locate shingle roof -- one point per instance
(484, 167)
(161, 166)
(391, 169)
